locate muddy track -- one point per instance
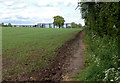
(68, 62)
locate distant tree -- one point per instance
(79, 25)
(73, 25)
(42, 26)
(58, 21)
(5, 25)
(35, 26)
(50, 26)
(9, 25)
(2, 24)
(68, 27)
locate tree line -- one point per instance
(5, 25)
(101, 18)
(102, 36)
(59, 21)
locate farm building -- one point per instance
(51, 25)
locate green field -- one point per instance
(31, 49)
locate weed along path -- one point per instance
(67, 63)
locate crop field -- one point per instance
(25, 50)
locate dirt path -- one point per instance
(76, 62)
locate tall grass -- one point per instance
(101, 60)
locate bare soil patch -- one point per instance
(76, 61)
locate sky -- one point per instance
(38, 11)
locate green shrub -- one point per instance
(101, 60)
(68, 27)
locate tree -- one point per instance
(101, 18)
(50, 26)
(2, 24)
(79, 25)
(9, 25)
(58, 21)
(5, 25)
(73, 25)
(68, 27)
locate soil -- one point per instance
(76, 62)
(67, 63)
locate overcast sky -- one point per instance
(38, 11)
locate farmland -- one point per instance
(25, 50)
